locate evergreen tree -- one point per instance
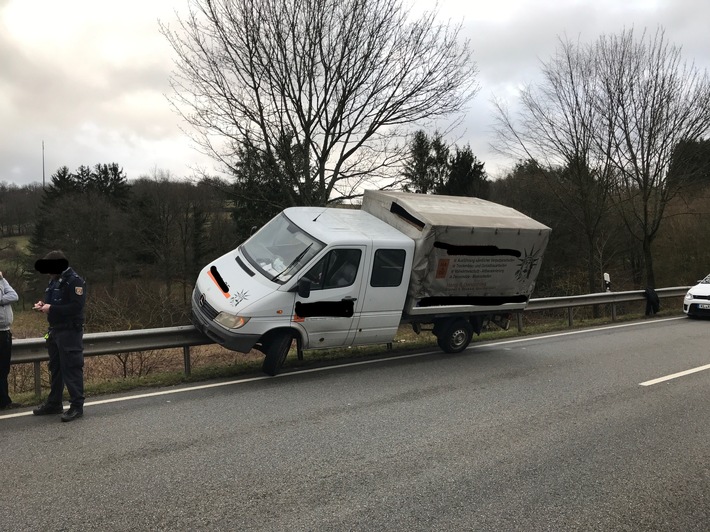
(109, 181)
(466, 176)
(427, 168)
(431, 169)
(439, 164)
(61, 183)
(84, 214)
(416, 167)
(257, 196)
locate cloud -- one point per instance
(89, 77)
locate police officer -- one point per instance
(63, 304)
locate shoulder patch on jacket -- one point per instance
(79, 290)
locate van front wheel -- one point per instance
(454, 336)
(276, 349)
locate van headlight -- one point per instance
(688, 296)
(230, 321)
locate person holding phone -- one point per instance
(63, 303)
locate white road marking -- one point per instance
(227, 383)
(493, 343)
(674, 376)
(576, 331)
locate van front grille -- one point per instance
(201, 303)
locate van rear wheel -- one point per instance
(454, 336)
(276, 350)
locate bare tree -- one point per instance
(337, 80)
(651, 102)
(558, 128)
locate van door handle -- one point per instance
(349, 298)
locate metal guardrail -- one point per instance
(601, 298)
(111, 343)
(33, 350)
(545, 303)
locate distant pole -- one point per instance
(42, 164)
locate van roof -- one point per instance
(349, 226)
(450, 211)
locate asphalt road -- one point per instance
(546, 433)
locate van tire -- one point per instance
(276, 348)
(454, 336)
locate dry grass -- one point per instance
(29, 324)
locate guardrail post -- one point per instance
(569, 316)
(613, 311)
(186, 358)
(519, 317)
(38, 380)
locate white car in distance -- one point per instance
(697, 300)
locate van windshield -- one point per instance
(280, 249)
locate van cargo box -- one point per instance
(468, 252)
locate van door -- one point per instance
(333, 307)
(385, 294)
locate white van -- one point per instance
(330, 277)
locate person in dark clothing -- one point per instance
(7, 296)
(64, 301)
(653, 303)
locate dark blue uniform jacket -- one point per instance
(67, 296)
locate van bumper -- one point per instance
(233, 341)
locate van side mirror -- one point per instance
(304, 288)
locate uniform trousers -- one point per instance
(66, 366)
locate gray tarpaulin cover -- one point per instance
(464, 247)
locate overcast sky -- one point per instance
(88, 77)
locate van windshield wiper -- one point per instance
(293, 262)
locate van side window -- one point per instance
(315, 274)
(388, 267)
(337, 269)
